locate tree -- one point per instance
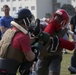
(69, 8)
(48, 15)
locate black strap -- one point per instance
(9, 65)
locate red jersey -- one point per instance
(21, 41)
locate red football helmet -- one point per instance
(61, 16)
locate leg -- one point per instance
(73, 59)
(54, 73)
(72, 68)
(55, 65)
(25, 68)
(42, 66)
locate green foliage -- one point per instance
(48, 15)
(69, 8)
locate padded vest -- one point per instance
(6, 50)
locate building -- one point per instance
(40, 8)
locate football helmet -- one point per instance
(61, 16)
(25, 15)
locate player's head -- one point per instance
(6, 9)
(24, 17)
(61, 16)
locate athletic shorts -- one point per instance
(49, 64)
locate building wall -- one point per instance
(16, 5)
(73, 2)
(38, 7)
(43, 7)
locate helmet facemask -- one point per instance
(32, 21)
(61, 16)
(24, 17)
(61, 21)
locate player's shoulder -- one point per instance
(11, 17)
(21, 35)
(3, 17)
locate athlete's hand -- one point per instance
(37, 28)
(36, 51)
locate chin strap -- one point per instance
(13, 23)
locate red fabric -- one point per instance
(52, 27)
(21, 41)
(66, 44)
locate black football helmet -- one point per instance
(24, 14)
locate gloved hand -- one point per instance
(37, 29)
(53, 44)
(44, 37)
(35, 49)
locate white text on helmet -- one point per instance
(58, 12)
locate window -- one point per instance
(1, 9)
(54, 1)
(20, 7)
(14, 8)
(32, 7)
(26, 7)
(2, 0)
(73, 0)
(7, 0)
(13, 0)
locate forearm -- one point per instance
(67, 44)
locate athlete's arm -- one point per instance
(29, 55)
(67, 44)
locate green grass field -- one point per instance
(65, 63)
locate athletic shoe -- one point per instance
(72, 70)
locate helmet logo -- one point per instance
(58, 12)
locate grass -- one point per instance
(65, 63)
